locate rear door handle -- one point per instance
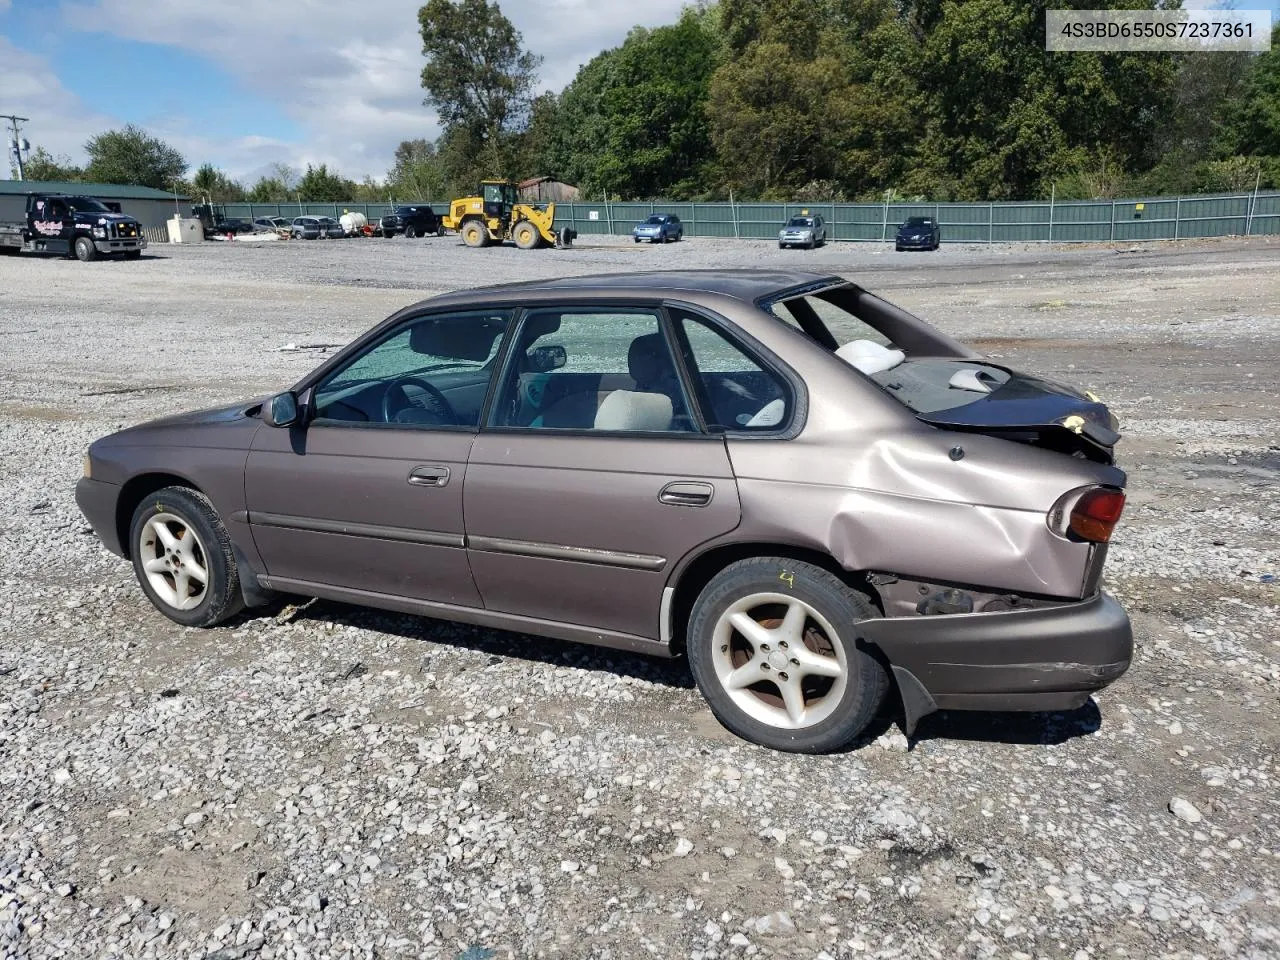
(429, 476)
(687, 493)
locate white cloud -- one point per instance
(346, 72)
(59, 120)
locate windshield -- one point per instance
(800, 222)
(918, 222)
(656, 220)
(88, 204)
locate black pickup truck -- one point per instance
(83, 227)
(413, 220)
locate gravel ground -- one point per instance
(325, 781)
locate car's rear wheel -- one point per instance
(183, 558)
(772, 646)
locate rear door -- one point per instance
(595, 475)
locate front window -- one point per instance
(593, 369)
(88, 205)
(431, 372)
(657, 221)
(800, 222)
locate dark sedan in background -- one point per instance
(918, 233)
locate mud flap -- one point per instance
(916, 701)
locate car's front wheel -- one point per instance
(411, 232)
(772, 646)
(183, 558)
(84, 249)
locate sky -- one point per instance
(245, 84)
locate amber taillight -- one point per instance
(1096, 514)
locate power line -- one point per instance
(16, 145)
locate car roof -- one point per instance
(745, 285)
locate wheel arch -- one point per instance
(134, 491)
(695, 572)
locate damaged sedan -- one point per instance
(816, 497)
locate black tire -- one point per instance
(526, 235)
(191, 509)
(897, 247)
(782, 246)
(84, 249)
(474, 234)
(865, 681)
(636, 239)
(411, 232)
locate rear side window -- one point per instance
(737, 392)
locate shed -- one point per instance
(150, 207)
(548, 190)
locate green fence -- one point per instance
(1083, 221)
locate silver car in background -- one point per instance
(803, 231)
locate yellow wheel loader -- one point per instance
(497, 215)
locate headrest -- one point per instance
(628, 410)
(870, 357)
(648, 360)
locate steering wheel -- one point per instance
(433, 401)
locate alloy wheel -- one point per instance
(174, 561)
(778, 660)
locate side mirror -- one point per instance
(281, 410)
(546, 359)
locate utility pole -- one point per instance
(17, 144)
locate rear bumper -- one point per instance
(97, 501)
(1049, 658)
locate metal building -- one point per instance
(150, 207)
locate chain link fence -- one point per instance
(1075, 221)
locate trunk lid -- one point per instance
(980, 397)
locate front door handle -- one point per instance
(429, 476)
(687, 493)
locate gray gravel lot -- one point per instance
(325, 781)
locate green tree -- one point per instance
(634, 121)
(42, 165)
(418, 173)
(133, 156)
(478, 76)
(774, 124)
(1255, 130)
(319, 185)
(1004, 119)
(211, 182)
(268, 190)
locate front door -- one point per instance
(368, 494)
(596, 477)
